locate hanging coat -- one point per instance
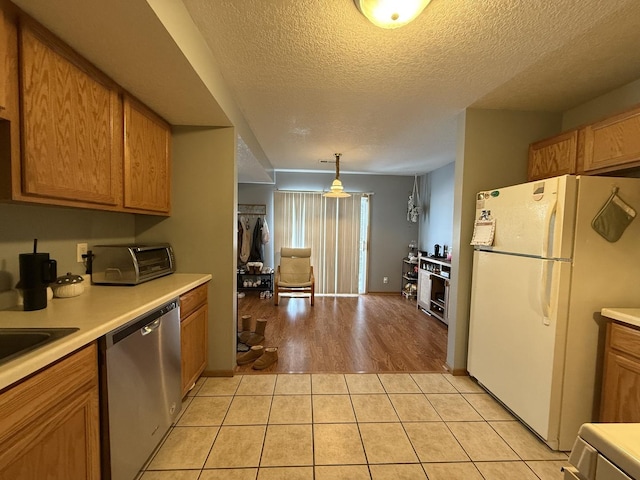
(246, 241)
(240, 232)
(256, 244)
(265, 232)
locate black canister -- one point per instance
(37, 271)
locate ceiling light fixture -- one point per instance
(337, 190)
(391, 13)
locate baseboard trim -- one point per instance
(457, 372)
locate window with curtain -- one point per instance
(335, 229)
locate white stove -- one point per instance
(605, 451)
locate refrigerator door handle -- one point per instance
(548, 229)
(545, 300)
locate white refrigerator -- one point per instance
(536, 335)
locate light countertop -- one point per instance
(97, 311)
(626, 315)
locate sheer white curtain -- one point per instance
(332, 228)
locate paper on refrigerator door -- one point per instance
(483, 232)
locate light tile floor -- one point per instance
(354, 426)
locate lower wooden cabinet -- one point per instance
(49, 426)
(621, 383)
(194, 338)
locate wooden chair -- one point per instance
(295, 273)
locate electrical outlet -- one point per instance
(81, 249)
(385, 279)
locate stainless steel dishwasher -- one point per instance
(140, 368)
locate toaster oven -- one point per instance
(131, 264)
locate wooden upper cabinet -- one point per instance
(147, 161)
(614, 143)
(4, 51)
(9, 104)
(553, 156)
(8, 62)
(70, 118)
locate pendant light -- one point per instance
(391, 13)
(337, 190)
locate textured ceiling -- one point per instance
(315, 77)
(303, 79)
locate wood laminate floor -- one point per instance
(368, 333)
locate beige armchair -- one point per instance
(295, 273)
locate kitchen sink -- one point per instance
(18, 341)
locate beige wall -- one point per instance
(58, 230)
(610, 103)
(202, 227)
(492, 152)
(436, 219)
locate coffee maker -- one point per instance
(37, 271)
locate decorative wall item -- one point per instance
(249, 209)
(413, 207)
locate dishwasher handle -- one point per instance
(150, 328)
(145, 324)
